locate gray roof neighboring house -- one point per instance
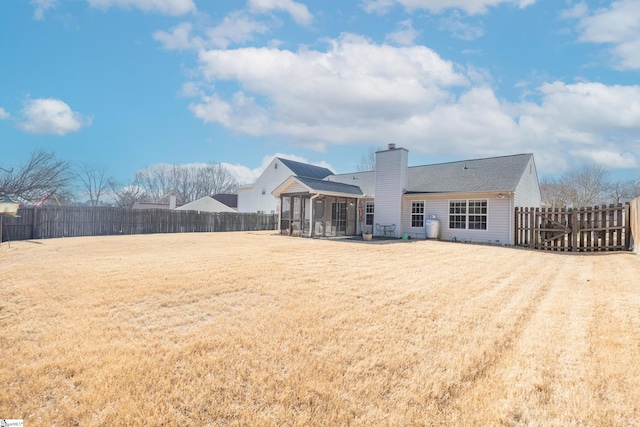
(303, 169)
(206, 204)
(477, 175)
(230, 200)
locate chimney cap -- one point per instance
(392, 146)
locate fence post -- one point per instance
(573, 223)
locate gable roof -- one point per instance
(317, 186)
(330, 187)
(306, 170)
(490, 174)
(365, 180)
(206, 204)
(230, 200)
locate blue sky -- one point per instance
(128, 84)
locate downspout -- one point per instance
(311, 214)
(512, 220)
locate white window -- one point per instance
(417, 214)
(368, 213)
(468, 214)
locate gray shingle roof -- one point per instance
(365, 180)
(492, 174)
(306, 170)
(330, 187)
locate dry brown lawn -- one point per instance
(258, 329)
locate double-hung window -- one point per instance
(468, 214)
(417, 214)
(368, 213)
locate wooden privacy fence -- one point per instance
(599, 228)
(71, 221)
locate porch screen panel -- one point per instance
(339, 217)
(318, 217)
(285, 214)
(352, 217)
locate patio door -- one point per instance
(339, 217)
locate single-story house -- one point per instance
(205, 204)
(230, 200)
(257, 197)
(471, 200)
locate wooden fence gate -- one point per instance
(600, 228)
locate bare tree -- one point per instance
(155, 181)
(553, 193)
(588, 186)
(214, 178)
(367, 161)
(621, 191)
(124, 196)
(187, 182)
(94, 181)
(42, 175)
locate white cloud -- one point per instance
(405, 35)
(51, 116)
(471, 7)
(165, 7)
(41, 6)
(353, 80)
(179, 38)
(235, 28)
(4, 114)
(460, 29)
(357, 92)
(377, 6)
(298, 11)
(617, 26)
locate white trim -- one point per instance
(424, 208)
(466, 215)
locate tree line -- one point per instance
(588, 186)
(44, 175)
(46, 178)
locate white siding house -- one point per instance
(473, 200)
(257, 197)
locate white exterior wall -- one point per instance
(252, 200)
(391, 183)
(527, 194)
(245, 199)
(499, 218)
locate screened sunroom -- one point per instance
(313, 207)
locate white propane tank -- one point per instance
(432, 225)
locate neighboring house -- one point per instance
(257, 197)
(165, 206)
(230, 200)
(473, 200)
(206, 204)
